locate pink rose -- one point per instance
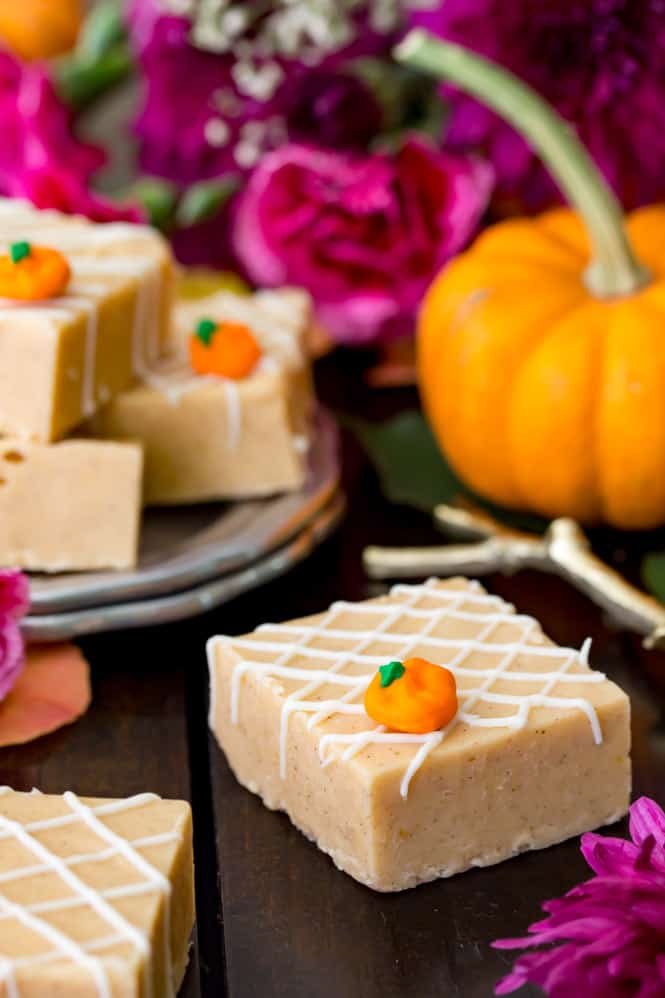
(364, 234)
(14, 601)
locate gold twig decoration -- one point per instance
(491, 547)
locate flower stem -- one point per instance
(614, 269)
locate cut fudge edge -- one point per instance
(291, 398)
(242, 743)
(183, 920)
(338, 780)
(121, 561)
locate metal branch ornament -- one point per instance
(491, 547)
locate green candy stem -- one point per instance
(614, 269)
(206, 330)
(19, 251)
(390, 672)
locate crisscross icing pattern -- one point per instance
(489, 612)
(58, 945)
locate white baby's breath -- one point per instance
(308, 30)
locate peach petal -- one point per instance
(53, 690)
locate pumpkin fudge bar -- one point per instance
(209, 437)
(73, 505)
(63, 356)
(96, 896)
(537, 751)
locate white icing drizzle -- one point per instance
(234, 413)
(84, 895)
(492, 612)
(145, 336)
(90, 349)
(174, 383)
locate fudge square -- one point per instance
(96, 896)
(537, 752)
(69, 506)
(208, 438)
(62, 357)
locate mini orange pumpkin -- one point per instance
(542, 348)
(32, 273)
(39, 29)
(415, 696)
(226, 349)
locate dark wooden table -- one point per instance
(275, 918)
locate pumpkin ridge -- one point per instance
(649, 244)
(549, 329)
(577, 250)
(568, 314)
(537, 330)
(617, 510)
(594, 389)
(490, 245)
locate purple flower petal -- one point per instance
(14, 602)
(647, 819)
(214, 127)
(606, 937)
(601, 64)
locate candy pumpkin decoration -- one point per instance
(414, 697)
(39, 29)
(32, 273)
(225, 349)
(542, 348)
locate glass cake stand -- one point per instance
(195, 558)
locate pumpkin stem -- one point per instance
(614, 269)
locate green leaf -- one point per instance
(414, 472)
(409, 463)
(102, 30)
(390, 672)
(653, 574)
(80, 81)
(204, 200)
(158, 197)
(19, 251)
(205, 330)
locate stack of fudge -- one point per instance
(101, 411)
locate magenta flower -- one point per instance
(40, 159)
(14, 601)
(600, 62)
(364, 234)
(609, 931)
(213, 110)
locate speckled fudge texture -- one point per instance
(96, 896)
(538, 752)
(69, 506)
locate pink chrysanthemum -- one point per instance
(610, 930)
(600, 62)
(14, 601)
